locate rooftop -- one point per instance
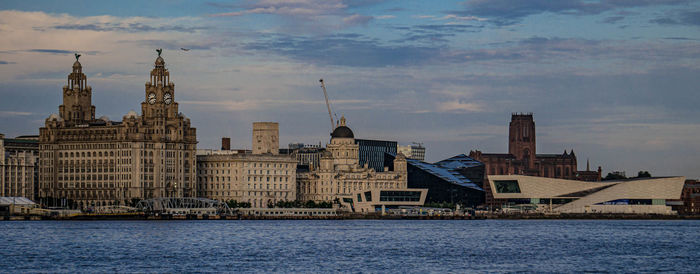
(442, 172)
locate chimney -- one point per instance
(225, 143)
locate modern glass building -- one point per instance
(372, 152)
(455, 180)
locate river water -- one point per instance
(350, 246)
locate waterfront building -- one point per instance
(376, 200)
(523, 159)
(86, 161)
(19, 158)
(259, 177)
(308, 157)
(538, 194)
(454, 180)
(339, 173)
(16, 206)
(415, 151)
(690, 198)
(371, 152)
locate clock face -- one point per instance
(151, 98)
(167, 98)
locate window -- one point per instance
(507, 186)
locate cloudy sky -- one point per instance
(615, 80)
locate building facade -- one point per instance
(86, 161)
(456, 180)
(308, 157)
(371, 152)
(19, 158)
(522, 157)
(538, 194)
(340, 174)
(265, 138)
(255, 178)
(259, 177)
(415, 151)
(690, 198)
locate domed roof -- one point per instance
(54, 117)
(342, 131)
(160, 61)
(131, 114)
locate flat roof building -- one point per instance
(381, 200)
(638, 196)
(371, 152)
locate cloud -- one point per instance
(460, 106)
(350, 50)
(434, 33)
(382, 17)
(509, 12)
(462, 18)
(554, 53)
(9, 113)
(613, 19)
(689, 18)
(128, 27)
(302, 16)
(261, 104)
(357, 19)
(52, 51)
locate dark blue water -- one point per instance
(350, 246)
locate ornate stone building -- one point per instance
(18, 166)
(522, 157)
(339, 173)
(89, 162)
(259, 178)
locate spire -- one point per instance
(77, 79)
(77, 96)
(342, 120)
(588, 165)
(160, 75)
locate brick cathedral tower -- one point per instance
(521, 141)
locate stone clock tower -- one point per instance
(87, 162)
(159, 109)
(77, 105)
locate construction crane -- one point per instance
(328, 104)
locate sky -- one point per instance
(614, 80)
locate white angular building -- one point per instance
(635, 196)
